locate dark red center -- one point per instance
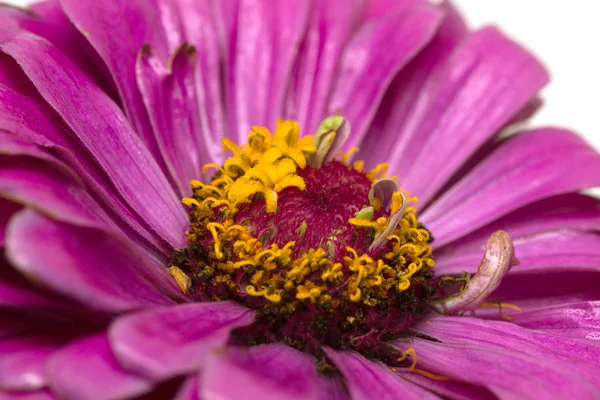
(316, 217)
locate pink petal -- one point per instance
(269, 372)
(26, 118)
(368, 66)
(24, 359)
(264, 45)
(37, 395)
(170, 341)
(51, 191)
(7, 209)
(198, 19)
(332, 388)
(509, 360)
(189, 389)
(102, 128)
(579, 320)
(376, 9)
(551, 287)
(18, 293)
(47, 20)
(171, 98)
(11, 145)
(449, 389)
(568, 211)
(330, 25)
(371, 380)
(117, 30)
(13, 78)
(101, 271)
(87, 369)
(569, 251)
(527, 167)
(468, 99)
(399, 100)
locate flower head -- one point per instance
(299, 199)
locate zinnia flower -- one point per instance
(218, 200)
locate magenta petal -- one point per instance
(507, 359)
(171, 98)
(102, 128)
(399, 100)
(37, 395)
(24, 358)
(371, 380)
(530, 290)
(189, 389)
(259, 63)
(528, 167)
(33, 122)
(13, 78)
(170, 341)
(7, 209)
(375, 9)
(16, 292)
(569, 251)
(47, 20)
(10, 16)
(475, 331)
(449, 389)
(50, 191)
(13, 146)
(117, 30)
(87, 369)
(198, 19)
(488, 75)
(315, 72)
(371, 60)
(14, 323)
(568, 211)
(101, 271)
(332, 388)
(269, 372)
(575, 320)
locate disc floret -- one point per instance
(326, 253)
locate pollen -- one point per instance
(325, 252)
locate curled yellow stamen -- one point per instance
(251, 290)
(413, 355)
(212, 227)
(188, 201)
(500, 307)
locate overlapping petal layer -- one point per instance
(270, 372)
(87, 369)
(511, 361)
(170, 341)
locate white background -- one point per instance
(565, 35)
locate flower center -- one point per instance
(327, 254)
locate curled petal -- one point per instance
(498, 259)
(392, 224)
(383, 189)
(330, 136)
